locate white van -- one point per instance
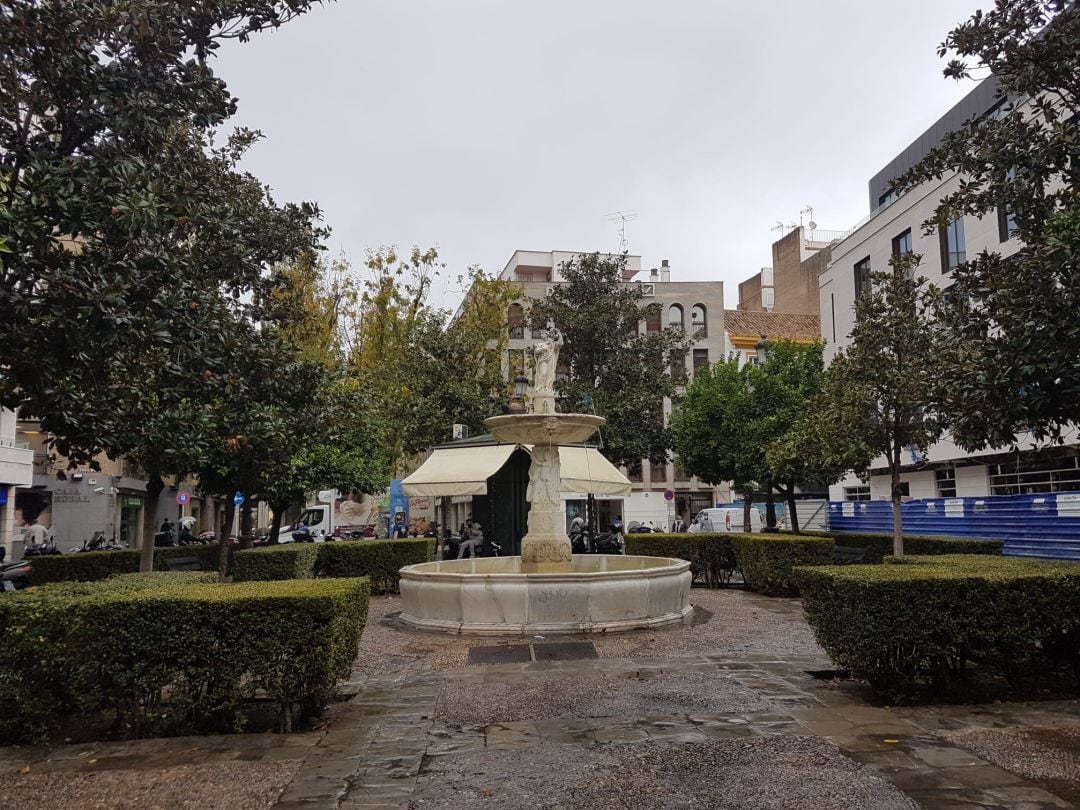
(725, 519)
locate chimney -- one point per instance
(654, 275)
(665, 271)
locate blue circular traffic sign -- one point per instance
(238, 498)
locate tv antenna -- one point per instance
(620, 218)
(809, 212)
(782, 228)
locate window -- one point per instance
(633, 472)
(901, 245)
(1030, 474)
(701, 359)
(537, 323)
(675, 317)
(515, 321)
(953, 245)
(857, 493)
(886, 198)
(678, 366)
(945, 482)
(905, 489)
(862, 277)
(697, 321)
(515, 363)
(652, 318)
(680, 473)
(1006, 223)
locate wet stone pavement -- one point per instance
(698, 730)
(717, 713)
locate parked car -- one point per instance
(725, 519)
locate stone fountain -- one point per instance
(547, 589)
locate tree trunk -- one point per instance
(275, 523)
(770, 507)
(793, 520)
(747, 505)
(223, 553)
(897, 524)
(154, 487)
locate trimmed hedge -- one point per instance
(711, 556)
(291, 561)
(90, 566)
(879, 546)
(166, 654)
(379, 560)
(946, 627)
(767, 560)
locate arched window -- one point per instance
(699, 327)
(675, 317)
(515, 321)
(652, 318)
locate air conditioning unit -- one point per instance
(461, 431)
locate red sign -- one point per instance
(182, 497)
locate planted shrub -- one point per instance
(711, 556)
(943, 627)
(292, 561)
(879, 546)
(91, 566)
(767, 560)
(379, 560)
(163, 654)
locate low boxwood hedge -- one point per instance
(945, 627)
(167, 654)
(90, 566)
(767, 560)
(879, 546)
(291, 561)
(711, 556)
(379, 560)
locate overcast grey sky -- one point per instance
(482, 126)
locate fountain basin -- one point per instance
(599, 594)
(544, 428)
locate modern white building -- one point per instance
(16, 470)
(894, 226)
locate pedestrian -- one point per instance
(679, 526)
(401, 529)
(475, 540)
(34, 535)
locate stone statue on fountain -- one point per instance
(546, 361)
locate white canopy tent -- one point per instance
(464, 471)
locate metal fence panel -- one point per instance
(1043, 525)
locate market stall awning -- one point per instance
(457, 470)
(464, 471)
(585, 470)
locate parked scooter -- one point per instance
(585, 541)
(14, 576)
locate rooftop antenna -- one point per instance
(620, 218)
(809, 211)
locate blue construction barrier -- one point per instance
(1044, 525)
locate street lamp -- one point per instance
(521, 385)
(762, 350)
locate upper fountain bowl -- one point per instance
(544, 428)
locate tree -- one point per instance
(880, 392)
(423, 370)
(1014, 323)
(782, 389)
(119, 212)
(715, 430)
(613, 369)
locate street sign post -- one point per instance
(238, 500)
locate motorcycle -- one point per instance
(14, 576)
(586, 541)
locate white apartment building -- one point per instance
(16, 470)
(895, 225)
(695, 306)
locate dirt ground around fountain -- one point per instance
(719, 712)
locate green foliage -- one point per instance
(913, 629)
(711, 556)
(1012, 323)
(879, 546)
(91, 566)
(378, 560)
(611, 369)
(292, 561)
(137, 657)
(767, 560)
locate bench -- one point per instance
(848, 555)
(182, 564)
